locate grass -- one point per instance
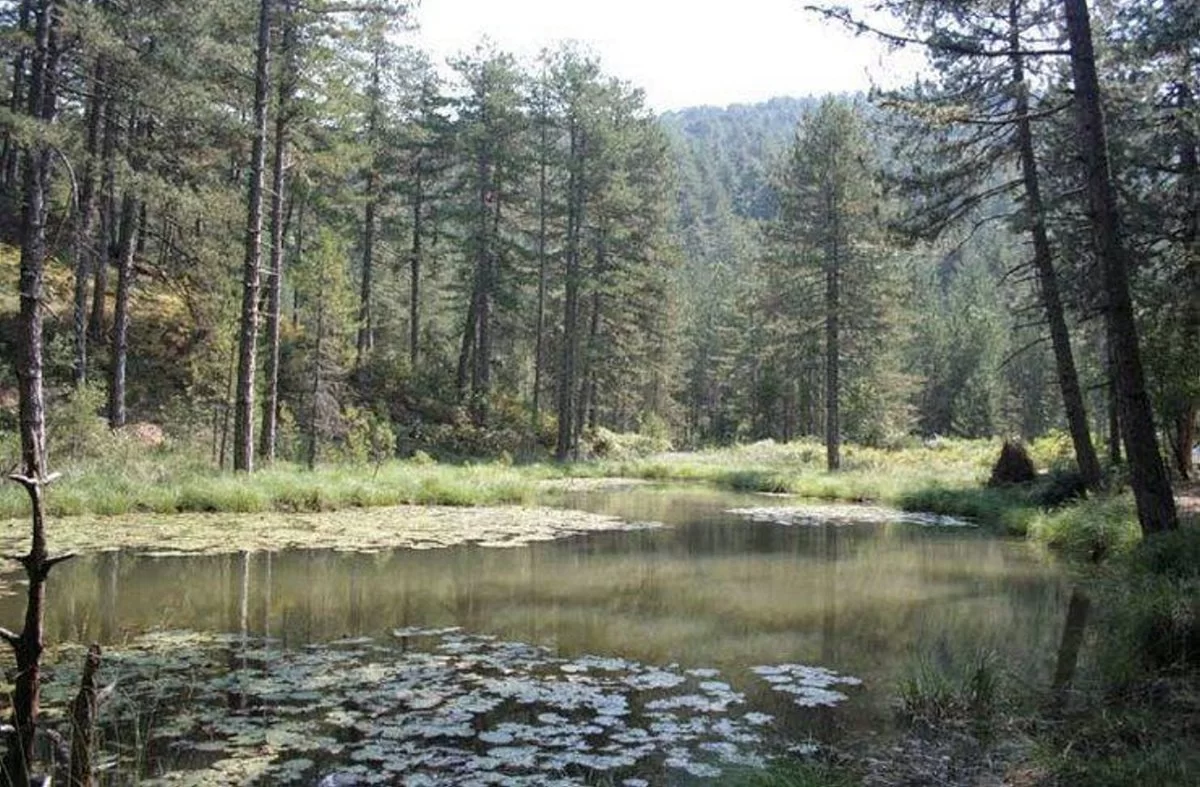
(795, 774)
(165, 483)
(968, 687)
(118, 476)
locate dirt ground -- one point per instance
(1187, 497)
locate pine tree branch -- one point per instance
(946, 46)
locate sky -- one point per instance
(681, 52)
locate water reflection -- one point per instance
(1068, 648)
(712, 590)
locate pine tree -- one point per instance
(829, 225)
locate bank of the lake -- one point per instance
(944, 476)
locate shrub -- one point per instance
(76, 429)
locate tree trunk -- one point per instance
(17, 102)
(1151, 485)
(120, 337)
(366, 328)
(414, 281)
(588, 415)
(481, 383)
(83, 242)
(1043, 261)
(1185, 405)
(540, 324)
(565, 445)
(81, 772)
(467, 347)
(471, 376)
(315, 403)
(28, 645)
(833, 307)
(268, 437)
(243, 416)
(107, 243)
(1185, 435)
(1114, 409)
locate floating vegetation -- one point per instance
(840, 515)
(809, 686)
(434, 706)
(360, 530)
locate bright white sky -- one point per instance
(682, 52)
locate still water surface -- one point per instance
(711, 592)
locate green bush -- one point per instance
(76, 430)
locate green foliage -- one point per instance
(369, 437)
(76, 428)
(605, 444)
(1091, 530)
(1053, 450)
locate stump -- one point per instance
(1013, 466)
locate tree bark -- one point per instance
(565, 446)
(366, 327)
(540, 324)
(83, 248)
(268, 437)
(81, 772)
(107, 242)
(120, 333)
(1148, 477)
(9, 167)
(414, 280)
(315, 403)
(29, 644)
(243, 416)
(833, 307)
(1043, 261)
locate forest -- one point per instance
(520, 257)
(272, 257)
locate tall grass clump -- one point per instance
(951, 688)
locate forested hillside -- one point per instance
(283, 232)
(949, 362)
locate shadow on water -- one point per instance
(710, 592)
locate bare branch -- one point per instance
(1022, 350)
(51, 562)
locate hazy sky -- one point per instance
(682, 52)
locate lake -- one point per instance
(744, 626)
